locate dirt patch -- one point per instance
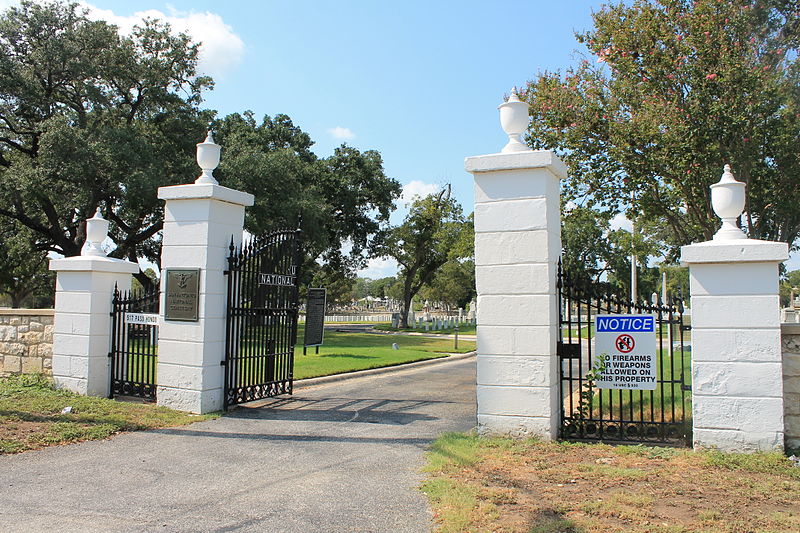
(545, 487)
(20, 429)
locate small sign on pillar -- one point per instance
(182, 294)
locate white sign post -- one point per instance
(628, 343)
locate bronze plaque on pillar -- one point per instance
(182, 294)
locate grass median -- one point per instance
(483, 484)
(32, 415)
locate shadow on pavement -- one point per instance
(411, 441)
(361, 410)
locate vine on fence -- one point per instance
(587, 394)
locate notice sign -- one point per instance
(629, 342)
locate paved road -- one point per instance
(343, 456)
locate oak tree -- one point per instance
(667, 93)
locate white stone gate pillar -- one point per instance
(517, 246)
(82, 323)
(199, 221)
(737, 387)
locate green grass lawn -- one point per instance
(141, 362)
(346, 352)
(31, 415)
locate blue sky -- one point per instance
(418, 81)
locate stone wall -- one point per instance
(790, 346)
(26, 341)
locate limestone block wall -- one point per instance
(790, 348)
(26, 341)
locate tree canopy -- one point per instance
(23, 270)
(454, 282)
(669, 91)
(431, 235)
(344, 198)
(88, 118)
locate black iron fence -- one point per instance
(263, 280)
(134, 343)
(662, 415)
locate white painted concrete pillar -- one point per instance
(517, 245)
(737, 390)
(82, 323)
(737, 384)
(199, 221)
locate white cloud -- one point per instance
(221, 49)
(341, 133)
(417, 188)
(620, 221)
(379, 268)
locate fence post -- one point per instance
(82, 322)
(737, 389)
(517, 245)
(199, 221)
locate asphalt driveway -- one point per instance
(342, 456)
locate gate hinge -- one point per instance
(686, 387)
(111, 354)
(223, 363)
(686, 327)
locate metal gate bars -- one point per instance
(261, 330)
(134, 343)
(590, 413)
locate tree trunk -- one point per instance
(18, 297)
(407, 297)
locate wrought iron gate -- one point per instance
(589, 413)
(262, 315)
(134, 343)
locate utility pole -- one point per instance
(664, 302)
(634, 280)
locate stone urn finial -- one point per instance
(208, 159)
(514, 120)
(96, 233)
(727, 199)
